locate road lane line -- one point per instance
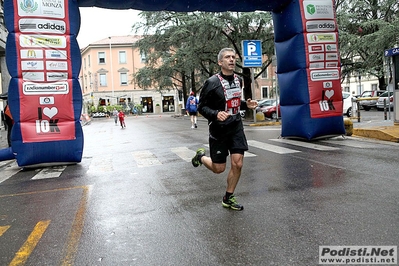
(24, 252)
(3, 229)
(308, 145)
(71, 247)
(271, 148)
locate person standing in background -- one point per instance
(191, 109)
(115, 115)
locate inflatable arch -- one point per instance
(43, 59)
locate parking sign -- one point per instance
(252, 53)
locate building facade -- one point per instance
(106, 78)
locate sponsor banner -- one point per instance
(321, 37)
(56, 76)
(56, 65)
(42, 41)
(42, 26)
(325, 98)
(321, 40)
(46, 100)
(30, 88)
(332, 57)
(42, 8)
(332, 65)
(331, 47)
(320, 25)
(316, 65)
(32, 65)
(318, 9)
(46, 112)
(56, 54)
(316, 48)
(316, 57)
(33, 76)
(31, 54)
(318, 75)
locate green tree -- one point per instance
(181, 48)
(366, 29)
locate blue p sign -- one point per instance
(251, 48)
(252, 53)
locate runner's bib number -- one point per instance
(232, 95)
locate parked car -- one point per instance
(270, 111)
(348, 107)
(368, 104)
(265, 102)
(389, 100)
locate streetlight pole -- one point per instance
(112, 72)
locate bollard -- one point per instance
(385, 109)
(348, 127)
(260, 116)
(358, 111)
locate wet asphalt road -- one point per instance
(136, 200)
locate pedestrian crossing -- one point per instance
(150, 158)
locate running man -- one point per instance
(220, 103)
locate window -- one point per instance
(103, 80)
(143, 57)
(88, 59)
(374, 87)
(265, 92)
(264, 74)
(122, 57)
(101, 58)
(84, 62)
(123, 78)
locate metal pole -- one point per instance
(112, 72)
(253, 90)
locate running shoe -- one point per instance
(232, 203)
(196, 161)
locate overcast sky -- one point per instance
(100, 23)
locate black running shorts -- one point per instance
(232, 143)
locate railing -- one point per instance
(358, 100)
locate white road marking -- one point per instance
(304, 144)
(184, 153)
(246, 154)
(49, 172)
(145, 158)
(269, 147)
(9, 171)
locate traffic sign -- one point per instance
(252, 53)
(392, 52)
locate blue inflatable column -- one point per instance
(308, 69)
(45, 98)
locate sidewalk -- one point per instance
(374, 129)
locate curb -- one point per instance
(381, 133)
(265, 124)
